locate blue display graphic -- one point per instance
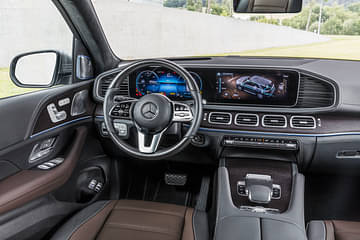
(167, 83)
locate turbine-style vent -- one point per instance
(303, 122)
(246, 119)
(279, 121)
(220, 118)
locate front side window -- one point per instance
(30, 26)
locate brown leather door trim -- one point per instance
(27, 185)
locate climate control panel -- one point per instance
(260, 142)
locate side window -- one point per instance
(36, 35)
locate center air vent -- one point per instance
(274, 121)
(220, 118)
(245, 119)
(304, 122)
(105, 81)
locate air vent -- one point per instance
(105, 82)
(304, 122)
(274, 121)
(315, 93)
(220, 118)
(245, 119)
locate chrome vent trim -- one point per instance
(303, 122)
(274, 121)
(221, 118)
(246, 119)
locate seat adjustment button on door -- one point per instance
(43, 167)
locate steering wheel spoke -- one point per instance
(122, 127)
(149, 143)
(182, 112)
(122, 109)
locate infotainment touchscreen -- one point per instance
(261, 87)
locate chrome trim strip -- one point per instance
(230, 120)
(271, 115)
(280, 134)
(60, 125)
(247, 114)
(311, 117)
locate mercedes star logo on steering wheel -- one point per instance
(149, 110)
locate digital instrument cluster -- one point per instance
(265, 87)
(165, 82)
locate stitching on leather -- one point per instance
(147, 210)
(193, 224)
(140, 228)
(88, 219)
(324, 229)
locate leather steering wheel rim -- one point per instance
(196, 109)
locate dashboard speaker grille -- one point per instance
(274, 121)
(244, 119)
(315, 93)
(305, 122)
(220, 118)
(105, 82)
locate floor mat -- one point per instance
(152, 187)
(332, 197)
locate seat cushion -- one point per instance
(333, 230)
(129, 219)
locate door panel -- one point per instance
(27, 185)
(25, 127)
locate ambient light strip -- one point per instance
(280, 134)
(60, 125)
(271, 133)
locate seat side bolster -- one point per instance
(200, 225)
(87, 223)
(188, 231)
(316, 230)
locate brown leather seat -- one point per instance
(333, 230)
(128, 219)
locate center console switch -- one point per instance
(239, 217)
(259, 188)
(260, 142)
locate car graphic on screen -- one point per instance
(256, 85)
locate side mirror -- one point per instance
(267, 6)
(35, 69)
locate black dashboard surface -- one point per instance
(326, 112)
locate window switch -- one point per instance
(47, 143)
(92, 184)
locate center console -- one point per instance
(259, 199)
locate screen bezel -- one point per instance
(212, 98)
(208, 76)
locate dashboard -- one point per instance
(309, 107)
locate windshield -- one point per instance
(177, 28)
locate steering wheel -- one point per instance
(151, 114)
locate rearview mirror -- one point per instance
(267, 6)
(35, 69)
